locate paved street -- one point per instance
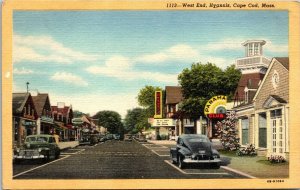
(116, 160)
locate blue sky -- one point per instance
(99, 60)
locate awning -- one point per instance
(60, 126)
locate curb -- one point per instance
(237, 172)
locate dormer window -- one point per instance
(246, 95)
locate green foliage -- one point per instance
(203, 81)
(136, 120)
(146, 98)
(77, 114)
(110, 120)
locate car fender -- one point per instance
(184, 151)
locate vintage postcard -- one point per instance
(150, 94)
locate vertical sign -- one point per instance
(158, 104)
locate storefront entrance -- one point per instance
(278, 134)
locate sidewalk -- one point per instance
(162, 142)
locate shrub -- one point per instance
(247, 151)
(276, 159)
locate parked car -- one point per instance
(102, 138)
(109, 136)
(42, 147)
(88, 139)
(141, 138)
(116, 136)
(194, 149)
(127, 137)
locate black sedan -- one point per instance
(194, 149)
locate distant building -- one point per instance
(45, 122)
(63, 116)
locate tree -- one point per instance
(146, 99)
(203, 81)
(227, 132)
(110, 120)
(136, 120)
(77, 113)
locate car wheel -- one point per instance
(173, 161)
(57, 154)
(47, 158)
(181, 164)
(215, 165)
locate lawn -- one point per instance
(256, 166)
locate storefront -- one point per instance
(271, 110)
(165, 128)
(24, 117)
(215, 111)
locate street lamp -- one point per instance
(27, 83)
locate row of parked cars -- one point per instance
(91, 139)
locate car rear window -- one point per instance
(196, 140)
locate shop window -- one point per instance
(262, 133)
(245, 131)
(276, 113)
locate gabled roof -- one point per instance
(64, 111)
(284, 61)
(19, 101)
(39, 102)
(273, 100)
(173, 94)
(251, 81)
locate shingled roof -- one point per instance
(19, 101)
(247, 80)
(39, 102)
(284, 61)
(173, 94)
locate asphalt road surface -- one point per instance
(116, 160)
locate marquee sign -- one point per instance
(163, 122)
(158, 104)
(215, 108)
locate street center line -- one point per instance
(41, 166)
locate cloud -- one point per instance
(276, 47)
(179, 52)
(92, 103)
(68, 78)
(236, 44)
(22, 71)
(122, 68)
(46, 49)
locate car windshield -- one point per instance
(36, 139)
